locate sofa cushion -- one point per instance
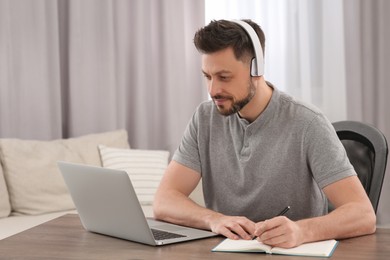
(5, 206)
(34, 182)
(145, 168)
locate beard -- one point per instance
(237, 105)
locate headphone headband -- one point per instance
(257, 65)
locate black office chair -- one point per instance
(367, 151)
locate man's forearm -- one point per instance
(349, 220)
(177, 208)
(346, 221)
(353, 216)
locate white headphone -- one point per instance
(257, 65)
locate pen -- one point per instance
(284, 211)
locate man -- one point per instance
(257, 150)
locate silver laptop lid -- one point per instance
(107, 203)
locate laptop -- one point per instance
(107, 204)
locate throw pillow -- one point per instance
(34, 182)
(144, 167)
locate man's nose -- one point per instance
(214, 88)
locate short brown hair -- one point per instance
(222, 34)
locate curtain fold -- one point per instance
(30, 96)
(70, 68)
(367, 37)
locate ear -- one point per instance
(257, 79)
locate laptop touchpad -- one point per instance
(168, 227)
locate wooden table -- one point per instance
(65, 238)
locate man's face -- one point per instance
(228, 81)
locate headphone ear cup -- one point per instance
(254, 69)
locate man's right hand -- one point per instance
(232, 227)
(175, 187)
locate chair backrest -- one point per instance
(367, 151)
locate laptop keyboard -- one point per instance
(162, 235)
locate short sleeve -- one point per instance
(187, 153)
(326, 155)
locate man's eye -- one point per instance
(224, 78)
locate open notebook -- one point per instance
(319, 249)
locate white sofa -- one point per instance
(32, 190)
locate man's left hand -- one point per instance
(279, 231)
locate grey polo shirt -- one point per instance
(285, 157)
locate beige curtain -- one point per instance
(69, 68)
(30, 90)
(367, 36)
